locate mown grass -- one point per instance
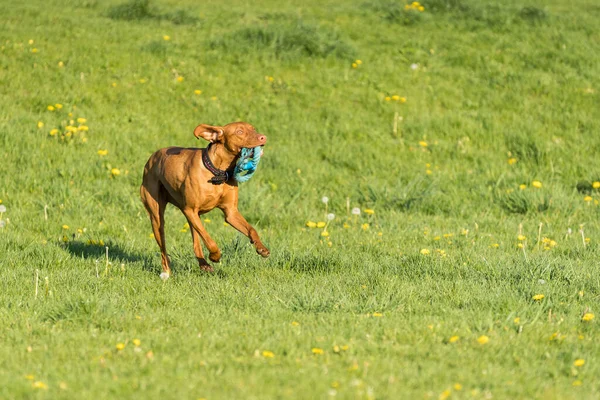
(497, 97)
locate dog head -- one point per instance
(233, 136)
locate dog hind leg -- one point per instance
(155, 200)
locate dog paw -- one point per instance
(264, 252)
(215, 257)
(207, 268)
(165, 275)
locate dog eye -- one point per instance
(239, 132)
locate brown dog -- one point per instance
(196, 181)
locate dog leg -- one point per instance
(198, 230)
(235, 219)
(156, 203)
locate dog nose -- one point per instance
(262, 139)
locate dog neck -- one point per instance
(220, 157)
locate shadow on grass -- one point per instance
(150, 262)
(116, 254)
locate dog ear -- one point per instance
(208, 132)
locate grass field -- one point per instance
(466, 133)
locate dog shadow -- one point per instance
(116, 254)
(149, 262)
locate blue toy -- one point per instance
(247, 163)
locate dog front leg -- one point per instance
(197, 229)
(235, 219)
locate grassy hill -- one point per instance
(466, 133)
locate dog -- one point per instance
(196, 181)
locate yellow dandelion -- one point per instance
(453, 339)
(39, 385)
(354, 65)
(369, 211)
(424, 251)
(423, 143)
(29, 377)
(587, 317)
(495, 245)
(457, 387)
(536, 184)
(114, 84)
(579, 362)
(58, 106)
(577, 383)
(102, 153)
(40, 124)
(65, 227)
(321, 224)
(402, 99)
(61, 64)
(120, 346)
(377, 314)
(388, 98)
(198, 92)
(421, 8)
(115, 172)
(346, 226)
(596, 185)
(180, 79)
(358, 62)
(50, 108)
(483, 339)
(587, 199)
(34, 50)
(365, 227)
(295, 323)
(311, 224)
(83, 128)
(512, 161)
(81, 120)
(316, 350)
(325, 233)
(521, 238)
(143, 80)
(445, 394)
(53, 132)
(268, 354)
(166, 37)
(137, 342)
(538, 297)
(522, 186)
(517, 320)
(396, 97)
(30, 41)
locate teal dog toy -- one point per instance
(247, 163)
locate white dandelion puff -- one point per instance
(164, 276)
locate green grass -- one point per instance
(492, 83)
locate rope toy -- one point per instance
(247, 163)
